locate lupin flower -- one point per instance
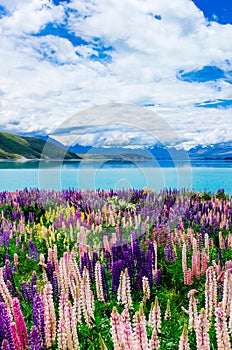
(116, 329)
(230, 319)
(140, 332)
(204, 261)
(117, 268)
(62, 332)
(184, 343)
(188, 277)
(108, 260)
(20, 323)
(77, 306)
(155, 316)
(222, 334)
(34, 339)
(50, 254)
(5, 325)
(158, 276)
(220, 258)
(192, 311)
(202, 331)
(64, 275)
(5, 345)
(207, 244)
(221, 240)
(16, 260)
(42, 260)
(98, 282)
(227, 292)
(154, 341)
(168, 311)
(127, 330)
(55, 253)
(184, 262)
(169, 251)
(4, 292)
(146, 289)
(33, 282)
(16, 340)
(156, 256)
(49, 270)
(69, 324)
(8, 277)
(73, 326)
(105, 284)
(33, 252)
(148, 268)
(38, 317)
(87, 299)
(229, 240)
(196, 264)
(124, 290)
(49, 315)
(74, 269)
(210, 292)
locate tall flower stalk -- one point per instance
(140, 332)
(184, 342)
(202, 332)
(49, 315)
(222, 334)
(20, 323)
(98, 282)
(155, 316)
(116, 329)
(124, 290)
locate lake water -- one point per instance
(199, 175)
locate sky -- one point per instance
(59, 59)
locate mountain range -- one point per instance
(43, 147)
(219, 151)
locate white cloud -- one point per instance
(124, 124)
(44, 81)
(29, 17)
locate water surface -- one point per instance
(117, 174)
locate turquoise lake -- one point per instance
(117, 174)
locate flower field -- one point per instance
(129, 269)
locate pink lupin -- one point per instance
(20, 323)
(184, 343)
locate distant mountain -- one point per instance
(111, 152)
(216, 151)
(158, 152)
(106, 152)
(16, 147)
(20, 147)
(79, 149)
(167, 153)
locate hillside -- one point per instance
(18, 147)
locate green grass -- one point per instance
(18, 147)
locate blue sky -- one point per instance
(172, 57)
(219, 11)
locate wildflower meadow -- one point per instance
(126, 269)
